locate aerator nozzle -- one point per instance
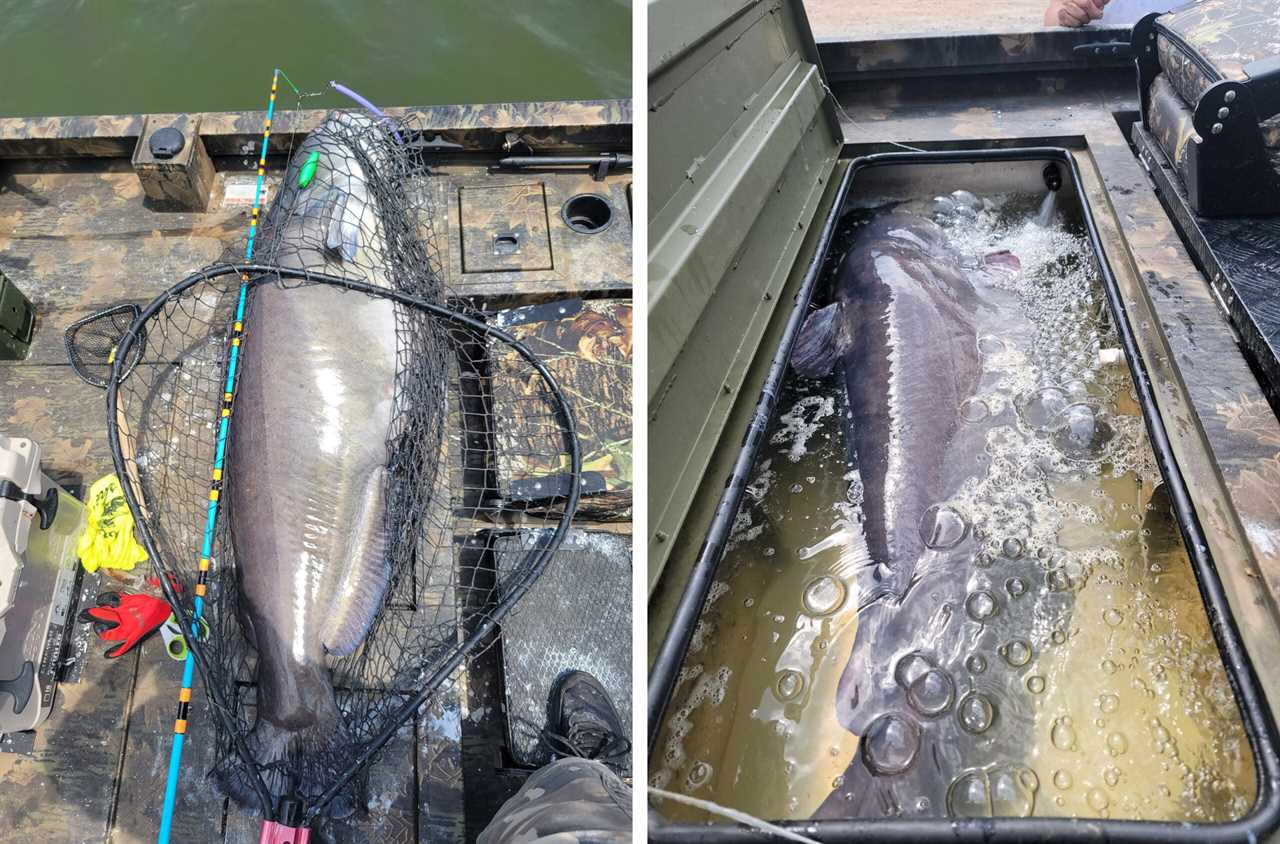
(1052, 177)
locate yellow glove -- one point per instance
(107, 540)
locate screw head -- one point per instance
(1230, 96)
(1223, 113)
(1216, 129)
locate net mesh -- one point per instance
(91, 342)
(314, 368)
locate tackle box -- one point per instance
(40, 524)
(17, 321)
(1209, 81)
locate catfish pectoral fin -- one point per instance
(1003, 263)
(365, 574)
(820, 343)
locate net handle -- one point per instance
(535, 562)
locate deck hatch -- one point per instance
(504, 228)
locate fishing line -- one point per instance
(732, 814)
(858, 126)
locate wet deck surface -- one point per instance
(77, 236)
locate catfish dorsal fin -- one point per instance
(341, 236)
(821, 342)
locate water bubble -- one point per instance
(931, 693)
(797, 487)
(1035, 684)
(943, 209)
(890, 745)
(1013, 792)
(974, 410)
(699, 774)
(1041, 408)
(994, 791)
(824, 595)
(1058, 636)
(1062, 779)
(1058, 580)
(976, 663)
(1012, 547)
(1063, 734)
(1015, 586)
(1112, 617)
(1016, 652)
(942, 527)
(749, 602)
(1111, 777)
(965, 199)
(910, 668)
(989, 344)
(1082, 433)
(981, 605)
(1108, 666)
(1117, 744)
(789, 684)
(1108, 703)
(969, 797)
(1098, 800)
(976, 713)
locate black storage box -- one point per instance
(1209, 79)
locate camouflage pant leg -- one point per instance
(570, 801)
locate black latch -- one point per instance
(167, 142)
(46, 506)
(601, 165)
(1105, 49)
(20, 687)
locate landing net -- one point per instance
(351, 225)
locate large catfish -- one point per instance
(903, 330)
(306, 471)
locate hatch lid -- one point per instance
(745, 136)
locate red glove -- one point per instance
(126, 618)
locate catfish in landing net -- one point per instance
(308, 450)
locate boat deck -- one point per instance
(78, 234)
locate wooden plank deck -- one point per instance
(76, 237)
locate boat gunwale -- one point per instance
(479, 126)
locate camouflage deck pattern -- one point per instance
(77, 234)
(587, 346)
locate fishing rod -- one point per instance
(206, 550)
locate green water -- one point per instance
(60, 57)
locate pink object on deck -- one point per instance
(277, 833)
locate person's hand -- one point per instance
(1073, 12)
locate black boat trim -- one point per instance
(1260, 727)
